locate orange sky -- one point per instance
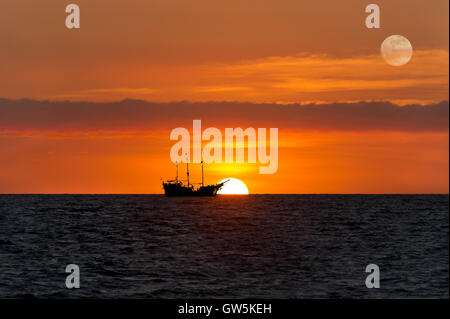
(271, 52)
(311, 163)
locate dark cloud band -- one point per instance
(140, 115)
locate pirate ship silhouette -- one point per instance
(177, 187)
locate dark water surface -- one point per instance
(280, 246)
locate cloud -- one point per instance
(323, 78)
(136, 115)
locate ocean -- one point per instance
(256, 246)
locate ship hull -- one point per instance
(179, 190)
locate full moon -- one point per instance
(233, 186)
(396, 50)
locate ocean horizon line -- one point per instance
(225, 195)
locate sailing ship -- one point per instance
(177, 187)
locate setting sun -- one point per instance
(233, 186)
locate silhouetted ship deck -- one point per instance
(177, 187)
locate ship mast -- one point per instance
(187, 168)
(203, 184)
(176, 178)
